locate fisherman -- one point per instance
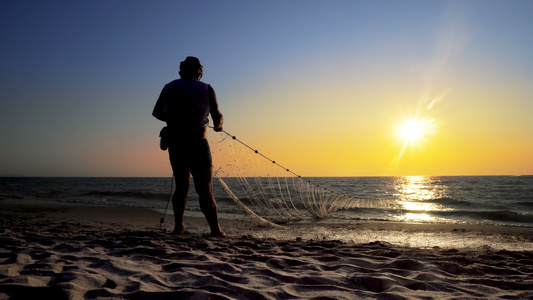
(185, 104)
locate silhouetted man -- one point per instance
(185, 104)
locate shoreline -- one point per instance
(419, 235)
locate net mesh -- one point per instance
(267, 191)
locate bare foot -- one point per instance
(181, 232)
(220, 234)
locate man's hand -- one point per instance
(218, 128)
(219, 120)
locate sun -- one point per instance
(413, 131)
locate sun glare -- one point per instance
(413, 130)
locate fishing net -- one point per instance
(269, 192)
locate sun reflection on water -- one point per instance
(416, 196)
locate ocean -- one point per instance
(486, 200)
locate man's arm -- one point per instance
(217, 117)
(159, 109)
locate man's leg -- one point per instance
(179, 199)
(203, 183)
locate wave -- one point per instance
(524, 203)
(498, 216)
(448, 201)
(129, 194)
(10, 196)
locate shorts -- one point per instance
(190, 155)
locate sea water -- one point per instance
(489, 200)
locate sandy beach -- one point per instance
(54, 251)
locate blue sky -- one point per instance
(79, 80)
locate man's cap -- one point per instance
(190, 64)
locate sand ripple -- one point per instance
(56, 262)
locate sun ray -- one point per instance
(411, 132)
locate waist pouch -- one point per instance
(164, 138)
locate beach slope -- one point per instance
(77, 252)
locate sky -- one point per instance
(323, 87)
